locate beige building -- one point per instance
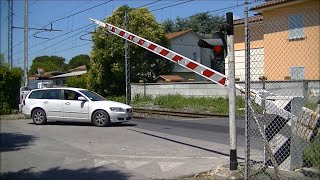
(284, 41)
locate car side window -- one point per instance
(71, 95)
(37, 94)
(53, 94)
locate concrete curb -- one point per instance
(223, 172)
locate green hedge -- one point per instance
(10, 83)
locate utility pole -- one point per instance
(0, 33)
(127, 61)
(10, 25)
(25, 69)
(232, 93)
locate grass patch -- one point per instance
(311, 155)
(311, 105)
(193, 104)
(121, 99)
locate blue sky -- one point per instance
(42, 12)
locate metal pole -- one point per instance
(127, 61)
(25, 69)
(10, 28)
(247, 92)
(232, 93)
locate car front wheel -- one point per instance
(39, 117)
(101, 118)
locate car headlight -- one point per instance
(117, 109)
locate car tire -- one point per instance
(101, 118)
(39, 117)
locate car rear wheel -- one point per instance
(101, 118)
(39, 117)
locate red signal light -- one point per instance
(217, 49)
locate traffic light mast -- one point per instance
(222, 50)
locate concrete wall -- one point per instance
(311, 89)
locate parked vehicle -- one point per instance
(73, 104)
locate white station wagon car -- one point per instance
(73, 104)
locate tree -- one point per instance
(107, 65)
(1, 59)
(169, 26)
(10, 82)
(203, 23)
(78, 82)
(79, 60)
(47, 63)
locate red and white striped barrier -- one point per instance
(183, 61)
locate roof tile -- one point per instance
(177, 34)
(271, 3)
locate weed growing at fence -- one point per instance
(311, 155)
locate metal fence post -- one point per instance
(247, 92)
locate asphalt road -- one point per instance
(141, 149)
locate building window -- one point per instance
(296, 27)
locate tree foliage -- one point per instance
(10, 82)
(79, 60)
(47, 63)
(78, 82)
(1, 59)
(107, 65)
(203, 23)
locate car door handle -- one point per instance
(46, 102)
(67, 103)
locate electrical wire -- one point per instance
(171, 5)
(73, 47)
(147, 4)
(3, 4)
(34, 2)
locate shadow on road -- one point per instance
(191, 145)
(57, 173)
(65, 123)
(15, 141)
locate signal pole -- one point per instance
(232, 93)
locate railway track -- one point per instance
(175, 113)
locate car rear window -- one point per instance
(37, 94)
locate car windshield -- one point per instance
(93, 96)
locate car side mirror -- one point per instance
(81, 98)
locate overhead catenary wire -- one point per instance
(133, 9)
(220, 10)
(82, 27)
(60, 41)
(62, 50)
(66, 18)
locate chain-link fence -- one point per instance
(283, 120)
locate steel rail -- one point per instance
(176, 113)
